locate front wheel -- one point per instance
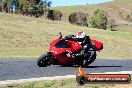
(45, 60)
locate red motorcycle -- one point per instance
(59, 49)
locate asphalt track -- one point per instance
(24, 68)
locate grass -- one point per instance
(71, 83)
(114, 5)
(63, 83)
(22, 36)
(113, 8)
(124, 28)
(126, 3)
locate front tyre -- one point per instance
(45, 60)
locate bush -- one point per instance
(112, 24)
(54, 15)
(129, 17)
(125, 15)
(36, 11)
(78, 18)
(0, 8)
(32, 9)
(99, 19)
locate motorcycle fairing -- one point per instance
(98, 45)
(59, 47)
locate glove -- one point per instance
(70, 55)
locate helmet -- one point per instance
(81, 35)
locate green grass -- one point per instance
(20, 52)
(70, 83)
(63, 83)
(22, 36)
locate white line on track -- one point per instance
(55, 78)
(36, 79)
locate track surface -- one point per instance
(22, 68)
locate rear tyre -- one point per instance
(92, 58)
(87, 62)
(45, 60)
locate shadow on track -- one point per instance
(91, 66)
(103, 66)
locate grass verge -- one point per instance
(22, 36)
(64, 83)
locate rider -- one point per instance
(86, 43)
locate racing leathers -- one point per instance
(87, 47)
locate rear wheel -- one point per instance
(87, 61)
(45, 60)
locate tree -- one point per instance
(0, 5)
(7, 5)
(33, 7)
(112, 24)
(37, 1)
(99, 19)
(25, 5)
(78, 18)
(54, 15)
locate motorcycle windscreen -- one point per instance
(62, 44)
(60, 47)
